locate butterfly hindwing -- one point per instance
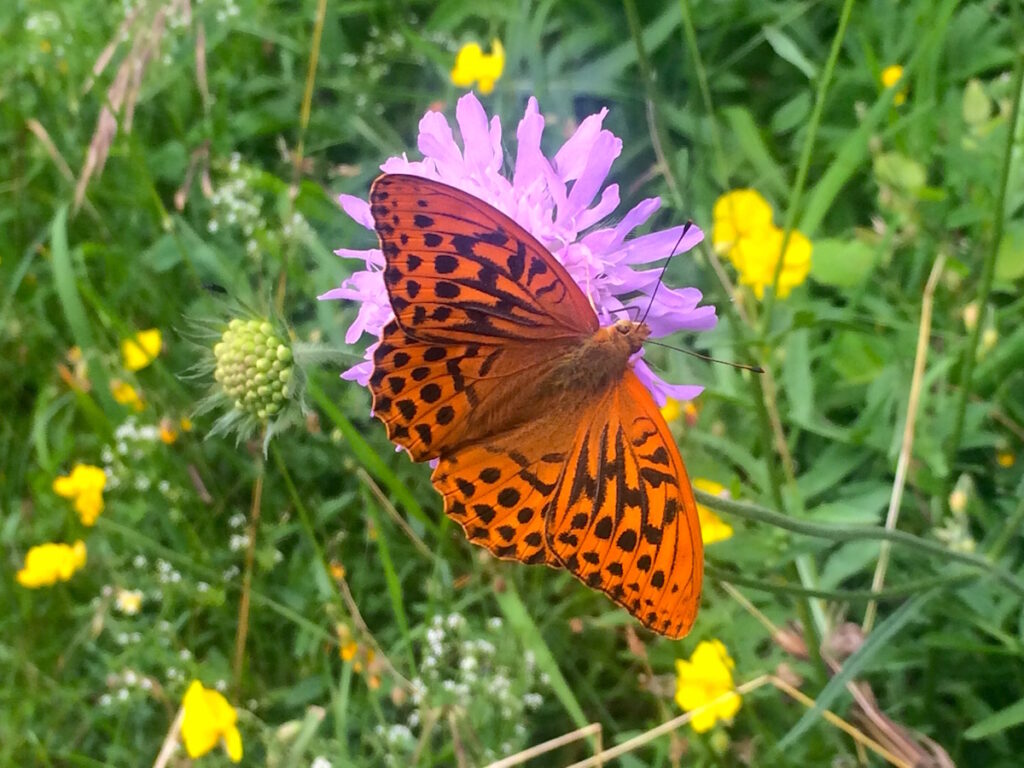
(623, 519)
(498, 490)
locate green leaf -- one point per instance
(788, 50)
(748, 137)
(1010, 257)
(997, 722)
(976, 105)
(898, 170)
(842, 263)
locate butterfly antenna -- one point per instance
(698, 355)
(661, 277)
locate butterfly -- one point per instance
(548, 447)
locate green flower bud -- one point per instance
(253, 367)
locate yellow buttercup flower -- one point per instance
(85, 486)
(473, 65)
(712, 527)
(126, 394)
(128, 601)
(209, 720)
(142, 349)
(755, 259)
(1005, 458)
(46, 564)
(707, 676)
(738, 215)
(890, 76)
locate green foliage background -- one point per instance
(882, 189)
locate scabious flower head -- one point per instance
(703, 679)
(254, 367)
(46, 564)
(209, 719)
(712, 527)
(558, 200)
(141, 349)
(85, 486)
(473, 65)
(890, 76)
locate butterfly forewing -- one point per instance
(459, 270)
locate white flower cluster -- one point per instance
(123, 685)
(481, 675)
(399, 743)
(235, 201)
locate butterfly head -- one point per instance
(627, 334)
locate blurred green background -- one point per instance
(174, 165)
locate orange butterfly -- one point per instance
(549, 448)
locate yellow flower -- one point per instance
(126, 394)
(168, 432)
(755, 259)
(472, 65)
(85, 485)
(47, 564)
(186, 424)
(128, 601)
(1006, 458)
(712, 527)
(209, 719)
(142, 349)
(707, 676)
(737, 215)
(890, 76)
(671, 410)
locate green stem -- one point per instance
(840, 533)
(300, 148)
(690, 36)
(845, 595)
(658, 140)
(987, 272)
(795, 195)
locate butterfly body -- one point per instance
(549, 449)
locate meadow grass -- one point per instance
(175, 165)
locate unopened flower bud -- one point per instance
(253, 367)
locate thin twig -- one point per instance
(250, 556)
(907, 445)
(360, 622)
(841, 724)
(547, 746)
(393, 513)
(170, 744)
(671, 725)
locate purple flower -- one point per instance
(559, 201)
